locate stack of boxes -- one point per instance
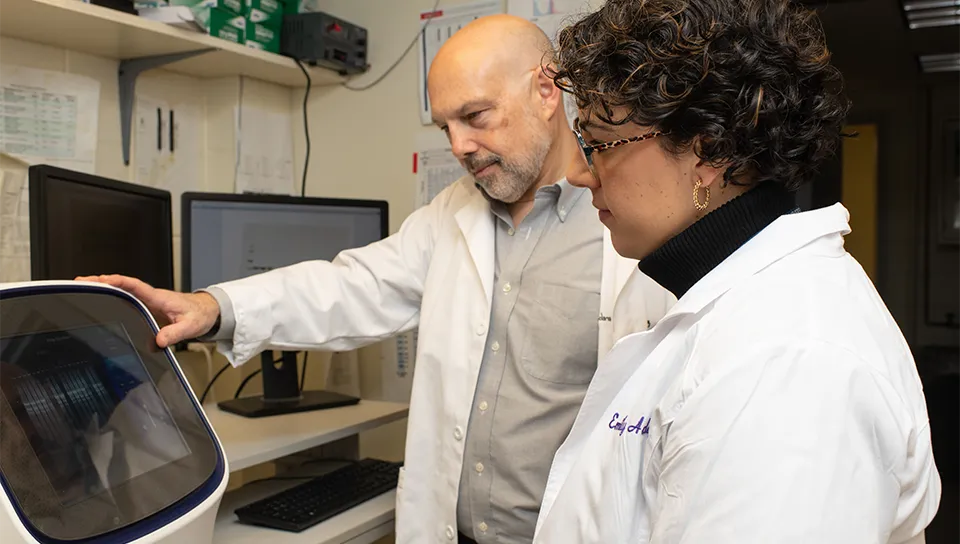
(254, 23)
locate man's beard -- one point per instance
(515, 176)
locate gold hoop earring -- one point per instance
(700, 206)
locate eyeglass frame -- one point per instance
(589, 149)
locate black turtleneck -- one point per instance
(690, 255)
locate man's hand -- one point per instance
(189, 314)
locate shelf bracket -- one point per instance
(128, 72)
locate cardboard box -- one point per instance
(292, 7)
(222, 24)
(265, 12)
(232, 6)
(264, 37)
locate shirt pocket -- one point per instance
(560, 344)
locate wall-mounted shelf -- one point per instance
(95, 30)
(249, 442)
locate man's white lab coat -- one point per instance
(437, 272)
(776, 402)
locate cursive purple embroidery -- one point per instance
(637, 428)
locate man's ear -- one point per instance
(550, 96)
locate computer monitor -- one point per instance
(231, 236)
(83, 225)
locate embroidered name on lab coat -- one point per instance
(623, 425)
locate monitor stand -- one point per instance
(281, 392)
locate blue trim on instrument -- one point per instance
(163, 517)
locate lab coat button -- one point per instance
(495, 346)
(458, 432)
(506, 287)
(481, 329)
(450, 533)
(483, 527)
(483, 406)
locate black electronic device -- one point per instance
(323, 497)
(231, 236)
(320, 39)
(83, 225)
(126, 6)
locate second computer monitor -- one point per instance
(230, 236)
(82, 225)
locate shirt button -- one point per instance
(450, 533)
(495, 346)
(479, 467)
(511, 232)
(483, 527)
(506, 287)
(483, 406)
(458, 432)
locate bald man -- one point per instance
(508, 275)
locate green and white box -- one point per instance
(260, 36)
(222, 24)
(265, 12)
(232, 6)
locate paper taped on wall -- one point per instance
(264, 152)
(14, 225)
(49, 117)
(436, 166)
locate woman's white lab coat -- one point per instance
(437, 272)
(776, 402)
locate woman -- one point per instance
(777, 402)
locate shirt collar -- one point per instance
(564, 196)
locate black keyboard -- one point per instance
(323, 497)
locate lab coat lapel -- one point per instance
(476, 222)
(784, 236)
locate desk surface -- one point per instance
(251, 441)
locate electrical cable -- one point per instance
(303, 183)
(212, 380)
(403, 55)
(244, 382)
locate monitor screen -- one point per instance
(227, 237)
(99, 429)
(85, 225)
(93, 415)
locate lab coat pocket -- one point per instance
(560, 344)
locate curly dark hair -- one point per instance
(748, 83)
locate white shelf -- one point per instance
(251, 441)
(361, 524)
(96, 30)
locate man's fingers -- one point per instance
(175, 333)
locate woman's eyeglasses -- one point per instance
(589, 149)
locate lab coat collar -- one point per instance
(785, 235)
(477, 225)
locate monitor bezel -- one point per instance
(40, 175)
(188, 198)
